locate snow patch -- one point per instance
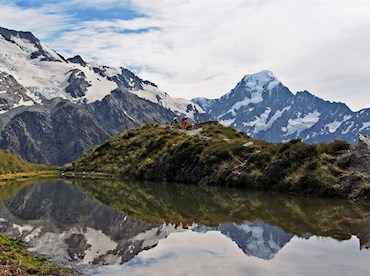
(348, 128)
(260, 123)
(227, 122)
(100, 245)
(129, 116)
(336, 124)
(24, 44)
(100, 86)
(301, 123)
(260, 81)
(24, 103)
(256, 97)
(364, 126)
(21, 229)
(35, 233)
(177, 105)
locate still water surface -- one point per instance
(120, 227)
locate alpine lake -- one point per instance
(110, 227)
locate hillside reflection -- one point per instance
(110, 222)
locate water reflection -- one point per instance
(192, 253)
(60, 221)
(212, 206)
(110, 222)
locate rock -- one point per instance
(363, 144)
(248, 144)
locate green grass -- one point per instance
(10, 164)
(219, 157)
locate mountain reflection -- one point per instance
(109, 222)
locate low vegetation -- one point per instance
(10, 164)
(16, 260)
(219, 156)
(13, 168)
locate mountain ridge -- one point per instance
(41, 92)
(264, 108)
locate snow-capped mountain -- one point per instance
(263, 107)
(53, 109)
(257, 239)
(46, 74)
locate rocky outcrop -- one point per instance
(78, 84)
(357, 165)
(78, 60)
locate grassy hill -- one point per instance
(9, 163)
(223, 156)
(13, 168)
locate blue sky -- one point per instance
(83, 12)
(192, 48)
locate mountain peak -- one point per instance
(30, 44)
(261, 80)
(77, 59)
(8, 34)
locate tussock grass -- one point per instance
(219, 156)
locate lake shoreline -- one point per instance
(25, 176)
(215, 155)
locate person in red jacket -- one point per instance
(184, 122)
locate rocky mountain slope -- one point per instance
(53, 109)
(264, 108)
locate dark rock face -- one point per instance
(55, 133)
(77, 59)
(77, 84)
(357, 164)
(58, 132)
(265, 109)
(121, 110)
(129, 80)
(11, 92)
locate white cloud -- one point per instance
(203, 48)
(117, 25)
(212, 253)
(43, 21)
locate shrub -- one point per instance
(338, 145)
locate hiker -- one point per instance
(184, 122)
(175, 121)
(184, 225)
